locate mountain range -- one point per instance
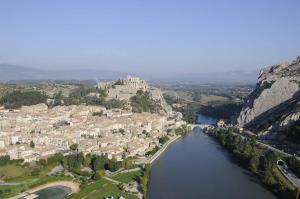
(13, 73)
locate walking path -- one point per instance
(111, 180)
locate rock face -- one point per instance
(125, 88)
(274, 104)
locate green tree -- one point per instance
(42, 162)
(74, 147)
(32, 145)
(99, 174)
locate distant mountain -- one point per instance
(230, 77)
(10, 73)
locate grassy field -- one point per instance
(128, 177)
(13, 171)
(208, 99)
(18, 174)
(9, 191)
(101, 189)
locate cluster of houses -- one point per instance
(35, 132)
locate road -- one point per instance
(289, 175)
(250, 134)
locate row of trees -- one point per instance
(144, 180)
(260, 161)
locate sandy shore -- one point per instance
(72, 185)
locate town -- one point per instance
(36, 131)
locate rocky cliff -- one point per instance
(274, 105)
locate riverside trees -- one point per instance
(258, 160)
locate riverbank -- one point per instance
(259, 160)
(151, 159)
(74, 187)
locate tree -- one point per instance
(113, 164)
(74, 147)
(32, 145)
(99, 174)
(127, 163)
(98, 162)
(253, 163)
(144, 179)
(75, 161)
(42, 162)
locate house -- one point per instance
(221, 123)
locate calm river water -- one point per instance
(196, 167)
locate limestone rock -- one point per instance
(274, 102)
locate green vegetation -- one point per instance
(4, 160)
(128, 164)
(152, 152)
(293, 133)
(143, 102)
(99, 174)
(17, 99)
(98, 113)
(128, 177)
(28, 176)
(74, 147)
(114, 103)
(99, 190)
(32, 145)
(32, 175)
(294, 165)
(181, 130)
(188, 113)
(102, 162)
(144, 179)
(75, 161)
(223, 110)
(163, 139)
(258, 160)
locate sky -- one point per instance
(157, 37)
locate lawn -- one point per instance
(101, 189)
(16, 173)
(9, 191)
(127, 177)
(13, 171)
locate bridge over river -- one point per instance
(201, 126)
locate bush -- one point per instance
(99, 174)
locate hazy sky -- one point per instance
(163, 36)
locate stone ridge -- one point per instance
(274, 100)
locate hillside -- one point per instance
(273, 108)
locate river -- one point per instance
(196, 167)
